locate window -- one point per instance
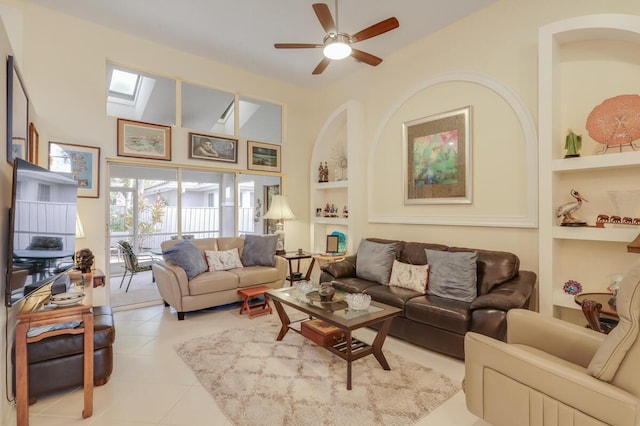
(44, 192)
(124, 85)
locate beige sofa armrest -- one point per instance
(281, 265)
(558, 380)
(172, 282)
(551, 335)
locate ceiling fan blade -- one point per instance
(365, 57)
(321, 66)
(376, 29)
(324, 16)
(295, 45)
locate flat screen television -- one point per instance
(42, 229)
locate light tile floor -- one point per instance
(151, 385)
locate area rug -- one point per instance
(256, 380)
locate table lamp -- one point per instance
(279, 211)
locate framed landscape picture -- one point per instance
(263, 156)
(144, 140)
(437, 159)
(213, 148)
(80, 162)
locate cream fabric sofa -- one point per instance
(217, 288)
(550, 372)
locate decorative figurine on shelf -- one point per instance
(320, 173)
(567, 210)
(572, 144)
(572, 287)
(84, 260)
(345, 212)
(325, 173)
(327, 210)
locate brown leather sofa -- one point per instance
(56, 362)
(439, 323)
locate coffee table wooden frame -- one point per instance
(351, 349)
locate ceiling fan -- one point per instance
(337, 45)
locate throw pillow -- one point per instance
(452, 275)
(188, 257)
(413, 277)
(375, 260)
(259, 250)
(223, 260)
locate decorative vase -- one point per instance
(326, 292)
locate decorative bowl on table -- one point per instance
(303, 287)
(358, 301)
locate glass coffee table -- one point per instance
(338, 314)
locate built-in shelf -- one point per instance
(599, 161)
(332, 220)
(591, 233)
(334, 184)
(560, 298)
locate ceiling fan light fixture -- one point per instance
(337, 47)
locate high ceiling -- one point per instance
(242, 32)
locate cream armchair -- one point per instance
(550, 372)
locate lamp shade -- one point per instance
(279, 209)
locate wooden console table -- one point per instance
(41, 316)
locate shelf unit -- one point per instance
(573, 54)
(342, 128)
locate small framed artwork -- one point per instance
(34, 143)
(17, 114)
(333, 242)
(144, 140)
(263, 156)
(80, 162)
(213, 148)
(437, 159)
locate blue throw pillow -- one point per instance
(259, 250)
(188, 257)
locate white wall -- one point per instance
(500, 43)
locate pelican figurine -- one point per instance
(567, 210)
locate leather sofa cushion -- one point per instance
(353, 285)
(391, 295)
(63, 345)
(209, 282)
(255, 275)
(414, 254)
(439, 312)
(494, 267)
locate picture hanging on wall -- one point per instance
(79, 162)
(34, 143)
(437, 158)
(144, 140)
(17, 115)
(263, 156)
(213, 148)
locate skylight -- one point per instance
(124, 84)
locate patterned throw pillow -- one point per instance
(223, 260)
(413, 277)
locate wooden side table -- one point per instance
(294, 255)
(42, 317)
(595, 304)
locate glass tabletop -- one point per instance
(338, 306)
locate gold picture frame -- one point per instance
(263, 156)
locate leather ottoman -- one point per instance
(56, 363)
